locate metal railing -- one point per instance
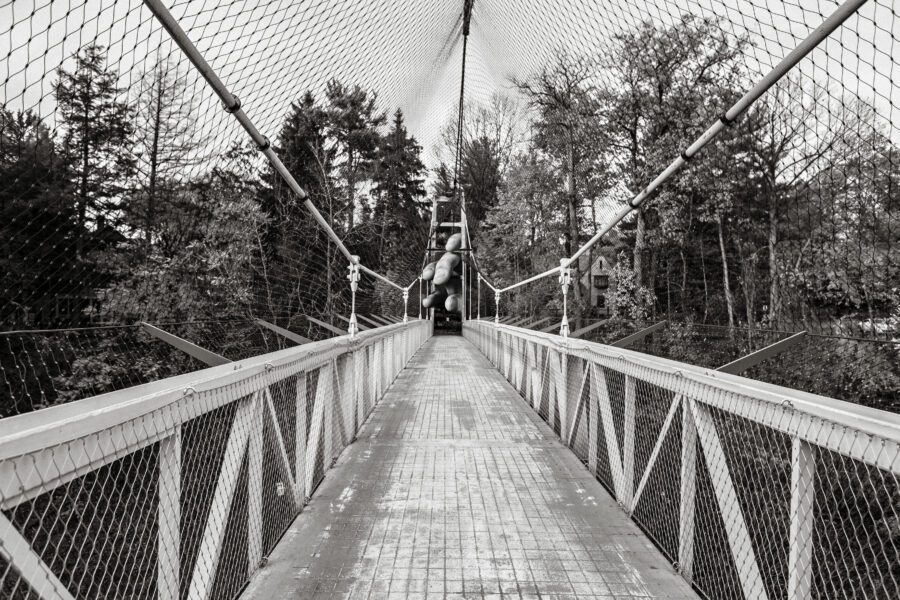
(752, 490)
(179, 488)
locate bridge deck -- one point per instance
(456, 489)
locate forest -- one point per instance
(121, 211)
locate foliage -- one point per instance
(630, 300)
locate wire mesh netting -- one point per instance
(187, 499)
(132, 202)
(746, 497)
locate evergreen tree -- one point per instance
(399, 191)
(37, 228)
(97, 135)
(353, 122)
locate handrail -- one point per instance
(784, 469)
(300, 406)
(871, 421)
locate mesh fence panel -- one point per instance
(750, 491)
(185, 499)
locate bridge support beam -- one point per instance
(628, 340)
(202, 354)
(740, 365)
(294, 337)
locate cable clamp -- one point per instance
(265, 145)
(235, 105)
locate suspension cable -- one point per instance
(466, 23)
(233, 106)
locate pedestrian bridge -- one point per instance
(502, 463)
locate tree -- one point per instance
(398, 185)
(792, 131)
(166, 144)
(296, 264)
(521, 235)
(564, 101)
(353, 122)
(37, 227)
(97, 134)
(666, 85)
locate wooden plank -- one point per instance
(315, 432)
(300, 438)
(600, 390)
(579, 410)
(593, 422)
(381, 320)
(740, 365)
(214, 531)
(255, 487)
(588, 329)
(628, 441)
(539, 322)
(168, 564)
(17, 551)
(286, 333)
(202, 354)
(638, 336)
(325, 325)
(729, 506)
(803, 511)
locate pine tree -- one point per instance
(37, 229)
(353, 123)
(399, 189)
(97, 135)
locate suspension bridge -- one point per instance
(241, 366)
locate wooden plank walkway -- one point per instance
(456, 489)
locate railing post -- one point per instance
(496, 308)
(353, 276)
(800, 543)
(688, 493)
(254, 487)
(169, 515)
(479, 297)
(565, 279)
(628, 441)
(406, 305)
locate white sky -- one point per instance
(409, 51)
